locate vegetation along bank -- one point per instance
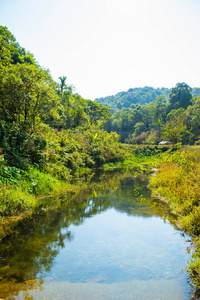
(177, 182)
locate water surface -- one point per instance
(113, 241)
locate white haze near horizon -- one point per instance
(107, 46)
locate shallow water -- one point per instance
(112, 242)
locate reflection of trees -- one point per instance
(31, 249)
(128, 192)
(134, 198)
(35, 244)
(10, 289)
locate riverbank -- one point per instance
(24, 191)
(20, 200)
(177, 180)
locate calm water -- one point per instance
(111, 242)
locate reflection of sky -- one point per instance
(90, 206)
(113, 247)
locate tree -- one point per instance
(11, 51)
(193, 119)
(174, 130)
(180, 96)
(27, 93)
(160, 109)
(97, 113)
(62, 83)
(139, 128)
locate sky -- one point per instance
(108, 46)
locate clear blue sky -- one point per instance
(107, 46)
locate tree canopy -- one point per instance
(180, 96)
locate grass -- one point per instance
(19, 200)
(21, 192)
(143, 155)
(177, 180)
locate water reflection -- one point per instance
(111, 248)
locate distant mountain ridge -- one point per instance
(133, 96)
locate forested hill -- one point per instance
(141, 96)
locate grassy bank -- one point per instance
(140, 156)
(24, 191)
(177, 181)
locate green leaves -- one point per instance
(26, 94)
(180, 96)
(174, 131)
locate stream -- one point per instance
(112, 241)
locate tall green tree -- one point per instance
(27, 93)
(161, 109)
(175, 130)
(62, 83)
(96, 112)
(180, 96)
(193, 119)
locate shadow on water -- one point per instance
(31, 253)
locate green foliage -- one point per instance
(83, 147)
(62, 84)
(26, 94)
(180, 96)
(21, 148)
(134, 96)
(58, 154)
(151, 123)
(13, 200)
(10, 50)
(20, 189)
(192, 116)
(177, 180)
(146, 95)
(174, 130)
(74, 111)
